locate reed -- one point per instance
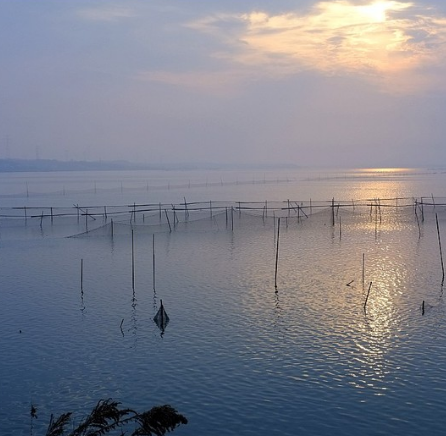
(108, 417)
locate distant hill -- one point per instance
(48, 165)
(44, 165)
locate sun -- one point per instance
(376, 12)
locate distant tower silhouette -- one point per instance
(7, 151)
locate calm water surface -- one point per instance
(237, 358)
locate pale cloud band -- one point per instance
(107, 14)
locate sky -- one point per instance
(314, 83)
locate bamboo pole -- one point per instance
(366, 298)
(277, 254)
(153, 260)
(363, 270)
(441, 252)
(168, 220)
(332, 213)
(82, 274)
(133, 262)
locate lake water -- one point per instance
(327, 354)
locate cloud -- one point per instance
(399, 45)
(108, 14)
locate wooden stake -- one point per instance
(82, 274)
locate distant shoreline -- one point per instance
(52, 165)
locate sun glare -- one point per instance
(375, 12)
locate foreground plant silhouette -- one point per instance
(107, 416)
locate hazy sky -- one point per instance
(270, 81)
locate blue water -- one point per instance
(236, 357)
